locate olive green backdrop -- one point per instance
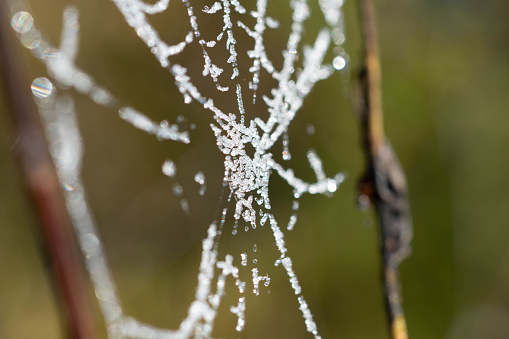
(446, 100)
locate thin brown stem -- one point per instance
(42, 186)
(384, 181)
(372, 79)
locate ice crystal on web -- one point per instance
(246, 174)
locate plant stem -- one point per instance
(43, 188)
(384, 181)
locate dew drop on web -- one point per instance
(22, 22)
(42, 88)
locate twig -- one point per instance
(384, 181)
(42, 186)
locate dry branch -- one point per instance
(42, 186)
(384, 180)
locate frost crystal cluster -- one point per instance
(246, 174)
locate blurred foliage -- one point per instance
(445, 82)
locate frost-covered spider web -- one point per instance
(246, 141)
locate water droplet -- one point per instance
(67, 187)
(339, 178)
(331, 185)
(255, 261)
(292, 222)
(338, 36)
(177, 190)
(22, 22)
(243, 257)
(286, 150)
(364, 202)
(169, 168)
(30, 39)
(341, 58)
(255, 248)
(199, 178)
(246, 228)
(101, 96)
(339, 62)
(42, 88)
(310, 129)
(82, 82)
(185, 206)
(286, 155)
(90, 244)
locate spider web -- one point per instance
(246, 173)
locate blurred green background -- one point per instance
(446, 99)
